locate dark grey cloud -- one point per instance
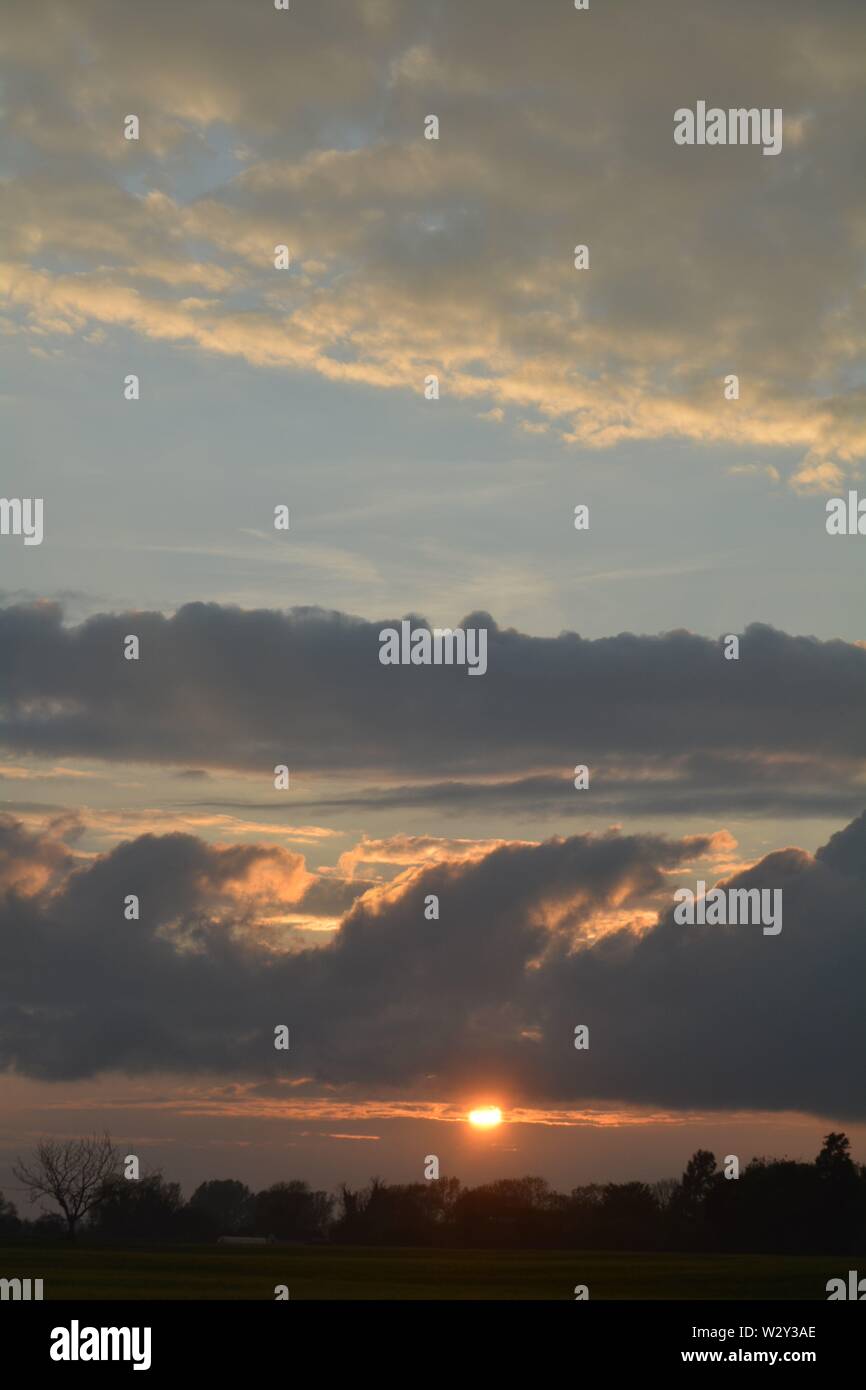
(488, 995)
(660, 719)
(739, 787)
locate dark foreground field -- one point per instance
(328, 1273)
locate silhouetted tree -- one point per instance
(411, 1214)
(73, 1174)
(630, 1217)
(140, 1209)
(687, 1204)
(9, 1223)
(292, 1211)
(512, 1211)
(348, 1224)
(842, 1197)
(770, 1207)
(663, 1190)
(835, 1156)
(224, 1207)
(581, 1222)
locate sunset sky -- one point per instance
(305, 387)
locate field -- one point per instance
(207, 1272)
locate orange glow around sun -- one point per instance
(486, 1117)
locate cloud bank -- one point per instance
(663, 721)
(531, 941)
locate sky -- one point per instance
(308, 387)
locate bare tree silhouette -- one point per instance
(73, 1174)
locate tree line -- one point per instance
(774, 1206)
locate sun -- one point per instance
(486, 1117)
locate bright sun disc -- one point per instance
(486, 1117)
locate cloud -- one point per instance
(31, 863)
(487, 996)
(788, 788)
(663, 721)
(411, 850)
(456, 256)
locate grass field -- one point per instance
(200, 1272)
